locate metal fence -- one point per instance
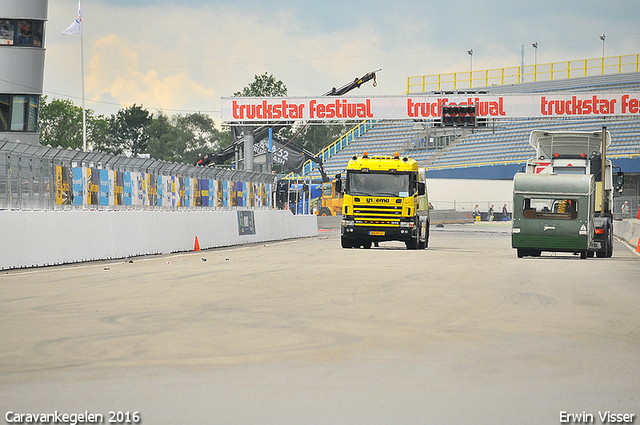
(43, 178)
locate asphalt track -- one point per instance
(304, 332)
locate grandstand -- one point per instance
(501, 148)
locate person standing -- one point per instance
(625, 209)
(490, 217)
(505, 213)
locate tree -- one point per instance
(60, 124)
(315, 137)
(128, 131)
(184, 138)
(263, 86)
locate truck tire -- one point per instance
(413, 243)
(324, 211)
(583, 255)
(345, 242)
(521, 253)
(426, 239)
(604, 252)
(610, 242)
(421, 244)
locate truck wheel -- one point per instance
(345, 243)
(610, 244)
(521, 253)
(366, 244)
(583, 255)
(324, 211)
(412, 244)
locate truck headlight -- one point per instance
(515, 230)
(348, 223)
(406, 224)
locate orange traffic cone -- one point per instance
(638, 217)
(638, 247)
(197, 246)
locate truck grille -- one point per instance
(377, 215)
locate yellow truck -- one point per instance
(330, 200)
(385, 199)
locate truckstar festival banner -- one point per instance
(245, 110)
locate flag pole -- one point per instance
(75, 28)
(84, 113)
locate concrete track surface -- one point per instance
(304, 332)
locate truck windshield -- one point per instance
(378, 184)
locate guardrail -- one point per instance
(520, 74)
(34, 177)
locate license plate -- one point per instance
(376, 233)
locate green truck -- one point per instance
(563, 201)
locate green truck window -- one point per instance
(549, 208)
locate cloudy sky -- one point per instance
(182, 56)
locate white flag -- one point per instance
(76, 26)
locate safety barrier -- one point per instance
(44, 178)
(628, 231)
(46, 238)
(520, 74)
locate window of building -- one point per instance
(19, 112)
(22, 32)
(7, 32)
(5, 108)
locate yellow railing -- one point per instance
(523, 74)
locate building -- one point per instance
(22, 30)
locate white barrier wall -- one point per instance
(39, 238)
(628, 231)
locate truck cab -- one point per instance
(385, 199)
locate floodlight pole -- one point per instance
(470, 52)
(535, 60)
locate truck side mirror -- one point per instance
(619, 181)
(422, 189)
(338, 186)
